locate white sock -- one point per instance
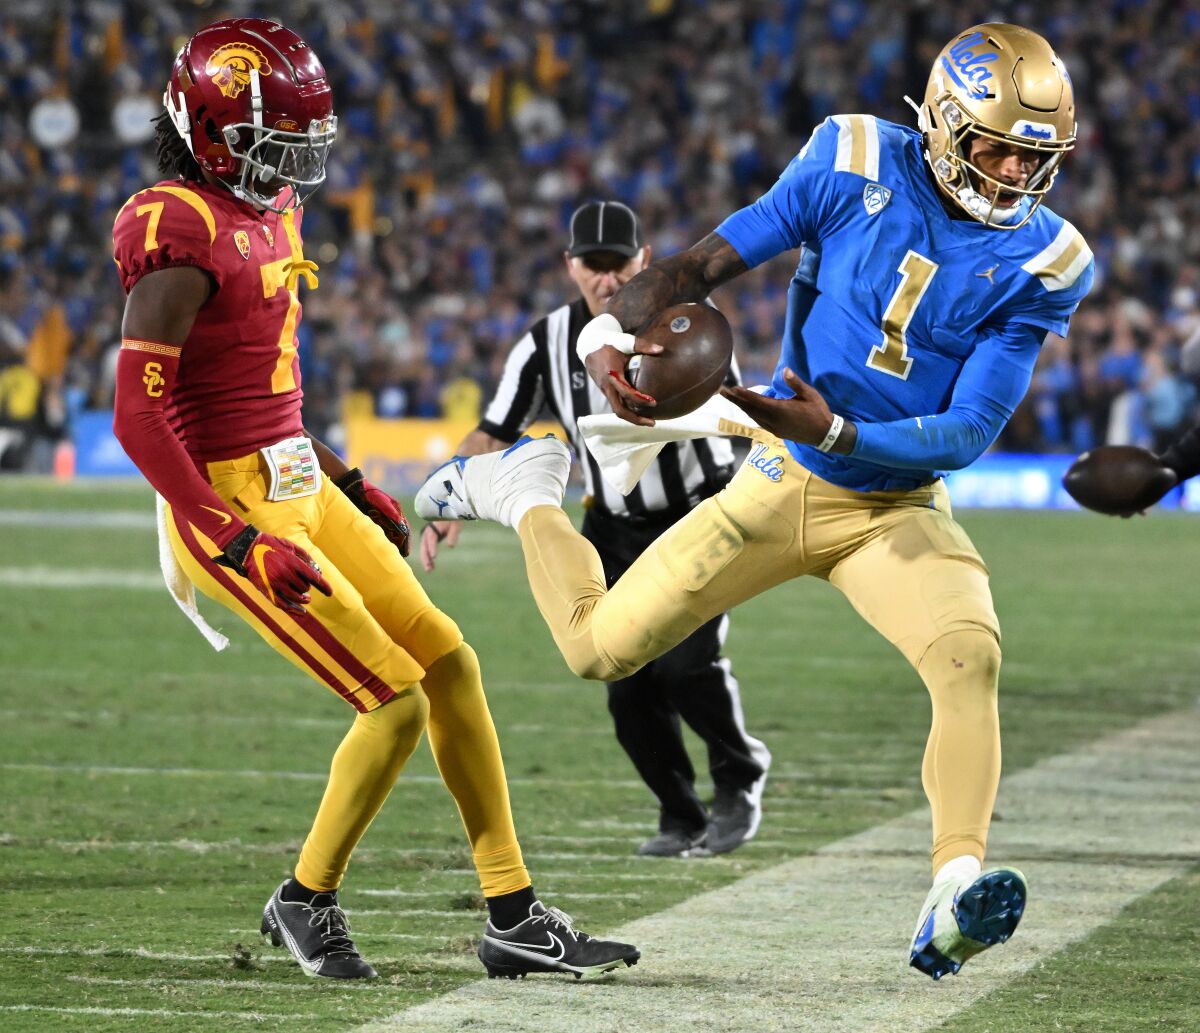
(961, 868)
(528, 501)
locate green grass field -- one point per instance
(155, 792)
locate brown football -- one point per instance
(1118, 479)
(697, 350)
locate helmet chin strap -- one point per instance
(922, 114)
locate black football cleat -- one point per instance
(317, 934)
(547, 942)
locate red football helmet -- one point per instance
(253, 104)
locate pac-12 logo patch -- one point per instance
(875, 198)
(242, 239)
(770, 466)
(680, 324)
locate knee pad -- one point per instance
(432, 636)
(402, 718)
(960, 661)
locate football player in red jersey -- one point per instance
(259, 515)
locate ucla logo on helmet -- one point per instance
(875, 198)
(968, 67)
(242, 239)
(230, 67)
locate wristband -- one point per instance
(831, 436)
(349, 479)
(603, 329)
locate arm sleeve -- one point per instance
(792, 211)
(163, 227)
(991, 385)
(519, 395)
(144, 381)
(1184, 455)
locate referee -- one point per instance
(693, 681)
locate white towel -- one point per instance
(625, 451)
(178, 583)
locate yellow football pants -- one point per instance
(381, 645)
(899, 557)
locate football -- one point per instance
(697, 350)
(1119, 480)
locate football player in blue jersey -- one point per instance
(930, 274)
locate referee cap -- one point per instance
(604, 226)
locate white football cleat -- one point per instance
(963, 916)
(499, 486)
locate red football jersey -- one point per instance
(238, 385)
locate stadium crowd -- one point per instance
(470, 129)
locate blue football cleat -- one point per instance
(500, 486)
(963, 918)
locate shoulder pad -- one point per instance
(1061, 262)
(181, 207)
(857, 145)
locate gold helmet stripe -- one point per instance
(197, 203)
(858, 145)
(1062, 261)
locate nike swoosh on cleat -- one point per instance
(555, 942)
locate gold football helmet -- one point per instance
(1006, 83)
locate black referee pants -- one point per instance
(692, 682)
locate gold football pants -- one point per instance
(900, 558)
(377, 640)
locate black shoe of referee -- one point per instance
(548, 942)
(317, 934)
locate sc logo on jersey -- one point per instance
(875, 198)
(154, 380)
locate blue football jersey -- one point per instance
(894, 301)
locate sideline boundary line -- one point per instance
(819, 944)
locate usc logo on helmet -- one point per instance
(230, 67)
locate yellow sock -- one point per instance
(567, 579)
(365, 767)
(467, 752)
(962, 757)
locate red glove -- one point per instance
(278, 568)
(384, 511)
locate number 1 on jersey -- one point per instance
(891, 356)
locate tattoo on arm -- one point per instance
(845, 440)
(689, 276)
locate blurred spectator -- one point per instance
(472, 128)
(1165, 401)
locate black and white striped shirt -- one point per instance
(543, 370)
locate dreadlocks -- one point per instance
(174, 158)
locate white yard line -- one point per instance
(81, 520)
(74, 577)
(425, 894)
(820, 943)
(138, 952)
(91, 770)
(162, 1013)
